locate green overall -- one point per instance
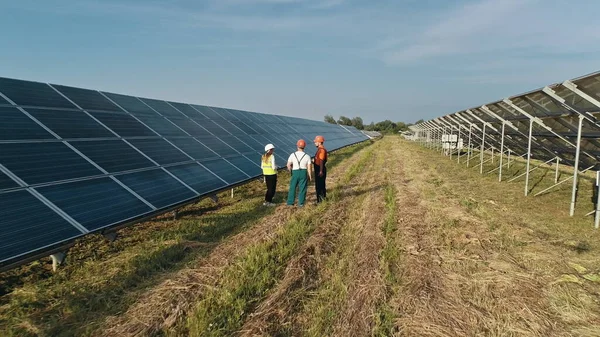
(299, 180)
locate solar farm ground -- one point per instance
(409, 244)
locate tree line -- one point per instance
(386, 126)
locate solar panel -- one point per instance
(123, 124)
(29, 225)
(113, 155)
(197, 177)
(61, 122)
(87, 99)
(37, 163)
(226, 171)
(95, 203)
(26, 93)
(75, 161)
(158, 187)
(15, 125)
(160, 151)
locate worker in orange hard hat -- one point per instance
(299, 166)
(319, 161)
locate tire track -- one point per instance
(278, 313)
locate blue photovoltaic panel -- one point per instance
(232, 129)
(62, 123)
(123, 124)
(193, 148)
(87, 99)
(37, 163)
(252, 143)
(27, 93)
(237, 144)
(186, 109)
(113, 155)
(225, 114)
(160, 151)
(226, 171)
(214, 128)
(157, 187)
(245, 128)
(197, 177)
(15, 125)
(217, 146)
(27, 225)
(250, 168)
(161, 125)
(95, 203)
(131, 104)
(104, 174)
(190, 127)
(6, 182)
(162, 107)
(207, 112)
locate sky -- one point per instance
(402, 60)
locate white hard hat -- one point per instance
(269, 147)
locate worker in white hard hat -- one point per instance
(270, 173)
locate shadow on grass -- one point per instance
(85, 303)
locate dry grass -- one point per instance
(486, 260)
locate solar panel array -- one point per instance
(76, 161)
(553, 111)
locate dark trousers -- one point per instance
(320, 183)
(271, 181)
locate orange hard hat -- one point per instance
(301, 143)
(319, 139)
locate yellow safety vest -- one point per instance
(268, 168)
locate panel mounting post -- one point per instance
(501, 152)
(58, 259)
(482, 149)
(597, 217)
(214, 198)
(528, 156)
(110, 236)
(576, 168)
(556, 173)
(469, 145)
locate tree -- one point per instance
(357, 122)
(329, 119)
(343, 120)
(419, 121)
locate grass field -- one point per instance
(410, 243)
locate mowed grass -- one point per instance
(224, 308)
(101, 279)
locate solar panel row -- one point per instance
(75, 161)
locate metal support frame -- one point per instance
(597, 217)
(507, 163)
(214, 198)
(530, 170)
(529, 156)
(482, 149)
(232, 193)
(469, 145)
(562, 181)
(556, 173)
(576, 169)
(501, 153)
